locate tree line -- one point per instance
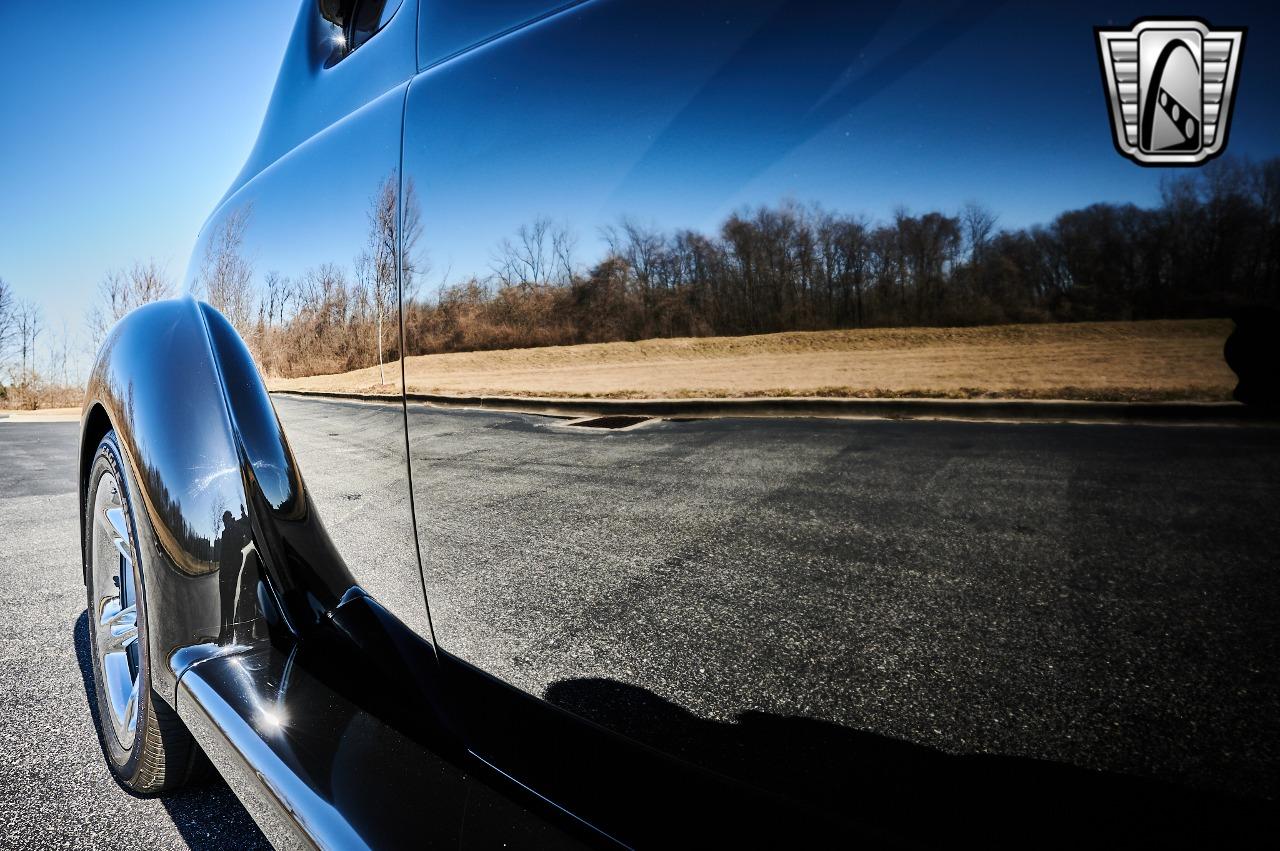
(1210, 246)
(330, 318)
(36, 363)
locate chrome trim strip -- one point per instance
(288, 811)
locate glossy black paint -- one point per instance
(206, 575)
(308, 576)
(449, 28)
(598, 117)
(611, 779)
(313, 90)
(264, 618)
(312, 230)
(347, 725)
(238, 549)
(325, 700)
(257, 603)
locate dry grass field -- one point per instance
(1112, 361)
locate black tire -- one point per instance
(154, 753)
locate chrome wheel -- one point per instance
(114, 612)
(145, 743)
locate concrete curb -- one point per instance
(40, 415)
(1009, 410)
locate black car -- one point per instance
(390, 613)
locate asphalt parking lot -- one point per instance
(1193, 532)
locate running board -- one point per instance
(337, 743)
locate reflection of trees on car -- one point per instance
(330, 317)
(376, 265)
(226, 276)
(1212, 243)
(121, 291)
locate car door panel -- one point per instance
(607, 602)
(756, 614)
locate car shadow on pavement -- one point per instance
(921, 794)
(208, 815)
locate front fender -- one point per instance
(231, 546)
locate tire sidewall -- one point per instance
(124, 762)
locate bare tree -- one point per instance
(542, 252)
(65, 356)
(979, 224)
(8, 319)
(563, 245)
(226, 276)
(123, 290)
(639, 245)
(59, 358)
(522, 262)
(376, 264)
(113, 298)
(29, 320)
(414, 265)
(278, 291)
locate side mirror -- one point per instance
(354, 22)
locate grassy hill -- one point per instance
(1134, 361)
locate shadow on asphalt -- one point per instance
(921, 794)
(208, 815)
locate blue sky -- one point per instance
(122, 127)
(923, 104)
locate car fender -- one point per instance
(231, 546)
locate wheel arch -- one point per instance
(236, 548)
(94, 425)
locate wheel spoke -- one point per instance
(119, 531)
(120, 628)
(131, 709)
(116, 526)
(115, 630)
(121, 685)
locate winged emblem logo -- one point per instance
(1170, 86)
